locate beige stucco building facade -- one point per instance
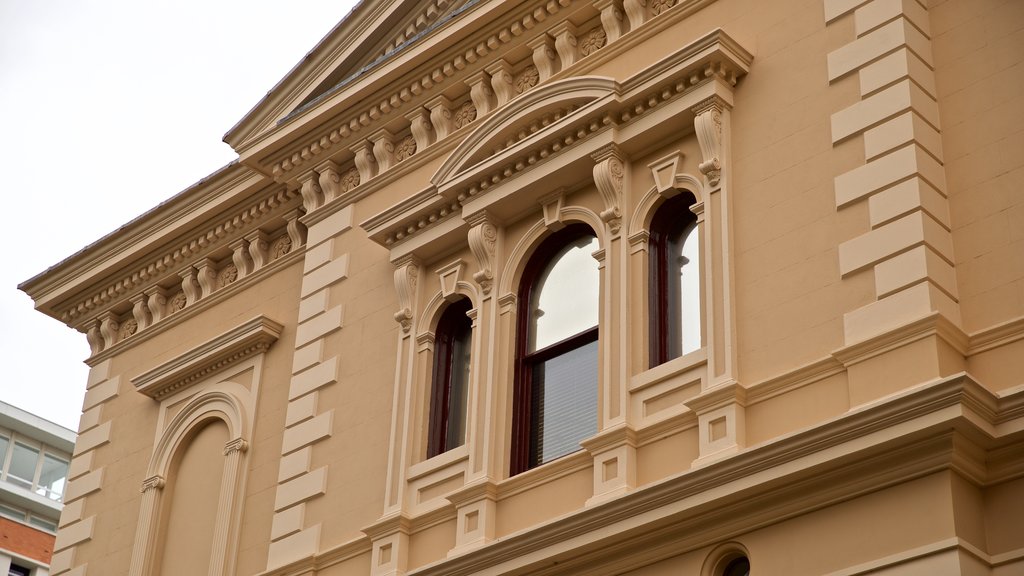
(270, 393)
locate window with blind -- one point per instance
(450, 387)
(675, 281)
(556, 370)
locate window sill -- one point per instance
(548, 472)
(668, 370)
(439, 462)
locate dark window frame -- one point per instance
(668, 227)
(523, 418)
(453, 323)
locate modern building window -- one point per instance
(16, 570)
(556, 369)
(737, 567)
(33, 468)
(22, 469)
(675, 327)
(450, 389)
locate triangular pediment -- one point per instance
(369, 36)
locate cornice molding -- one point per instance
(591, 106)
(798, 472)
(251, 338)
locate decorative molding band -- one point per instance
(214, 236)
(248, 339)
(809, 472)
(182, 315)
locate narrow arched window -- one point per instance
(675, 327)
(556, 372)
(450, 389)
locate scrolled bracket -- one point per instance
(483, 239)
(707, 123)
(407, 271)
(609, 176)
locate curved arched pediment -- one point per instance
(523, 117)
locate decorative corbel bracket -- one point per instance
(329, 181)
(609, 175)
(544, 56)
(312, 193)
(366, 164)
(483, 239)
(407, 270)
(384, 149)
(707, 122)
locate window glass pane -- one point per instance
(52, 478)
(23, 465)
(566, 299)
(458, 391)
(43, 523)
(4, 443)
(16, 570)
(689, 290)
(12, 513)
(564, 409)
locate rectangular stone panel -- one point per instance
(62, 561)
(317, 256)
(71, 513)
(881, 106)
(294, 464)
(310, 306)
(878, 43)
(74, 534)
(287, 522)
(911, 267)
(897, 310)
(87, 484)
(874, 14)
(300, 545)
(93, 438)
(893, 238)
(900, 131)
(334, 225)
(307, 432)
(906, 197)
(318, 376)
(309, 355)
(89, 418)
(301, 489)
(97, 374)
(836, 8)
(80, 465)
(300, 409)
(882, 172)
(334, 271)
(101, 393)
(319, 326)
(900, 64)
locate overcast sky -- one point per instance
(108, 108)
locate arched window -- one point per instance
(556, 370)
(450, 389)
(675, 281)
(737, 567)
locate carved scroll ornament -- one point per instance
(707, 123)
(483, 239)
(609, 174)
(406, 274)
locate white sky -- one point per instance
(108, 108)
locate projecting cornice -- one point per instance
(235, 345)
(562, 124)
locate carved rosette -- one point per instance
(707, 123)
(527, 79)
(349, 179)
(280, 247)
(483, 238)
(465, 115)
(226, 276)
(128, 329)
(406, 273)
(178, 302)
(592, 41)
(609, 175)
(659, 6)
(405, 149)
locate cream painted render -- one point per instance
(857, 405)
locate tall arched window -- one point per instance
(675, 280)
(450, 389)
(556, 370)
